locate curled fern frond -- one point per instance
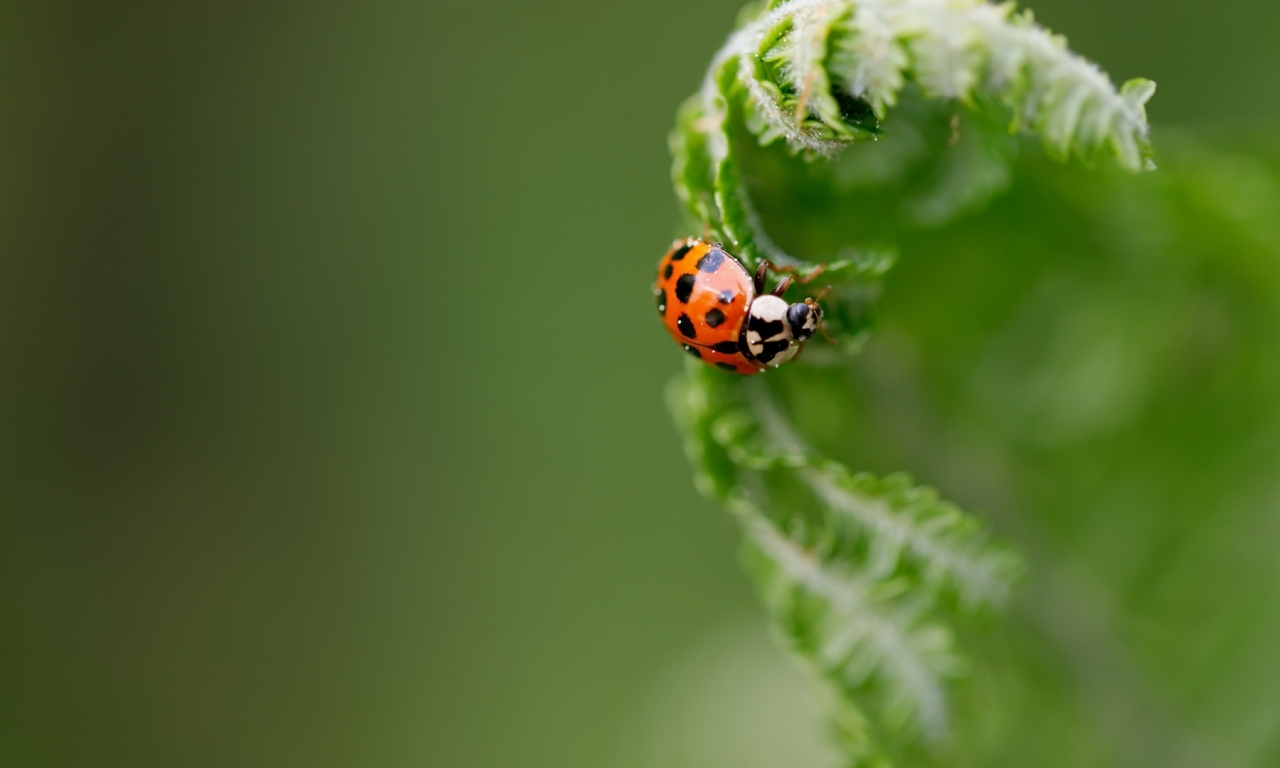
(866, 576)
(907, 521)
(822, 74)
(900, 521)
(857, 628)
(853, 568)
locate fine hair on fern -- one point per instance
(820, 74)
(865, 576)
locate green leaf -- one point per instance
(870, 580)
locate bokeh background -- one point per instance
(331, 422)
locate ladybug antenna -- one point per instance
(822, 324)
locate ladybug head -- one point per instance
(804, 319)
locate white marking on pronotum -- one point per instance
(769, 309)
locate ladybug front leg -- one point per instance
(758, 278)
(795, 273)
(791, 272)
(822, 324)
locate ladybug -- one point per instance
(721, 314)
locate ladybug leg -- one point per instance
(822, 325)
(822, 328)
(802, 280)
(763, 269)
(812, 275)
(766, 267)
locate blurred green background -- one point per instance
(330, 393)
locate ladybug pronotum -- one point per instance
(720, 313)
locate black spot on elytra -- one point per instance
(711, 261)
(766, 328)
(726, 347)
(684, 287)
(714, 318)
(686, 326)
(728, 367)
(662, 301)
(693, 351)
(681, 252)
(666, 273)
(726, 297)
